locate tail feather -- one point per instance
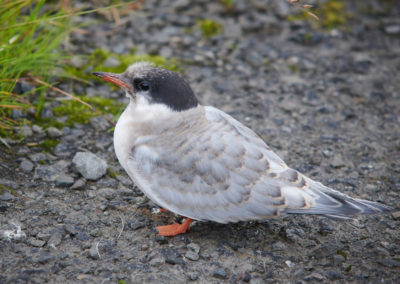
(336, 205)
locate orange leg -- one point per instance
(174, 229)
(163, 210)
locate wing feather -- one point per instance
(220, 170)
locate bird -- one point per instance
(199, 162)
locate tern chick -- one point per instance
(201, 163)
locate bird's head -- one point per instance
(156, 85)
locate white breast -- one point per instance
(135, 125)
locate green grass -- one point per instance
(209, 28)
(3, 188)
(28, 40)
(49, 145)
(31, 32)
(80, 113)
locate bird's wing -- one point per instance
(215, 168)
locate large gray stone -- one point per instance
(89, 165)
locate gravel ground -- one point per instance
(326, 101)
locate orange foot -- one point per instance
(174, 229)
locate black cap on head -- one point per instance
(158, 85)
(165, 87)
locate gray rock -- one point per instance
(24, 130)
(194, 276)
(37, 129)
(79, 184)
(396, 215)
(64, 149)
(7, 196)
(338, 161)
(94, 252)
(124, 180)
(282, 8)
(36, 243)
(111, 62)
(107, 182)
(392, 29)
(54, 132)
(138, 225)
(51, 172)
(89, 165)
(194, 247)
(157, 261)
(99, 123)
(26, 166)
(45, 257)
(23, 87)
(388, 262)
(192, 255)
(47, 112)
(64, 180)
(55, 238)
(314, 277)
(232, 29)
(17, 113)
(9, 183)
(166, 52)
(278, 246)
(326, 227)
(219, 273)
(38, 157)
(171, 256)
(78, 61)
(180, 4)
(338, 259)
(162, 240)
(244, 276)
(106, 192)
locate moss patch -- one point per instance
(80, 113)
(112, 173)
(3, 189)
(209, 28)
(49, 145)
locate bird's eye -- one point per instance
(141, 85)
(144, 86)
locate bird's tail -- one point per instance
(336, 205)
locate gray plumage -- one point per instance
(199, 162)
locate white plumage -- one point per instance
(201, 163)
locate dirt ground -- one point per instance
(327, 101)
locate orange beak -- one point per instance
(117, 79)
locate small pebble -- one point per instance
(157, 261)
(26, 166)
(36, 242)
(47, 112)
(64, 180)
(161, 240)
(396, 215)
(194, 276)
(192, 255)
(37, 129)
(79, 184)
(94, 251)
(53, 132)
(7, 196)
(219, 273)
(89, 165)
